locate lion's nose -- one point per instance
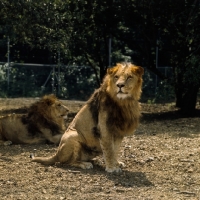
(120, 85)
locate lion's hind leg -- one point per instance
(81, 158)
(72, 152)
(83, 165)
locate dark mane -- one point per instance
(94, 104)
(120, 117)
(38, 116)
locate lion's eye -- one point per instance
(129, 77)
(116, 77)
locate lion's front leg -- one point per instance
(110, 147)
(117, 143)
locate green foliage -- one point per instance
(3, 72)
(80, 82)
(26, 81)
(156, 90)
(164, 92)
(81, 30)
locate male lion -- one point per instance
(43, 122)
(111, 113)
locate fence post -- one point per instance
(8, 66)
(53, 80)
(59, 71)
(156, 65)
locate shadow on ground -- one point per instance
(127, 179)
(170, 115)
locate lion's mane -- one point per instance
(39, 115)
(122, 114)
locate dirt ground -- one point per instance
(162, 162)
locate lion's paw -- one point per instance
(86, 165)
(114, 169)
(7, 143)
(97, 161)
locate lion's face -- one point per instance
(59, 110)
(124, 81)
(51, 107)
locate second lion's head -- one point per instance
(124, 81)
(48, 108)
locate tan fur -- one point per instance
(43, 122)
(99, 127)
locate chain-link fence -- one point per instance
(30, 80)
(70, 82)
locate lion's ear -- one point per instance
(110, 71)
(139, 70)
(113, 69)
(49, 99)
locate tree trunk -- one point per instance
(102, 72)
(179, 94)
(186, 97)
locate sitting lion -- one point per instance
(43, 123)
(111, 113)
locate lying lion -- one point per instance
(111, 113)
(43, 123)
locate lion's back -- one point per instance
(12, 127)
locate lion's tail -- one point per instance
(45, 160)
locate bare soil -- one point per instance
(162, 162)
